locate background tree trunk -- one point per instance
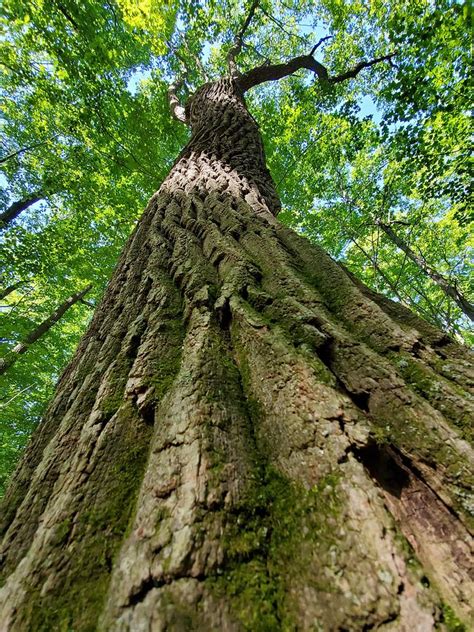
(39, 331)
(16, 208)
(247, 437)
(448, 288)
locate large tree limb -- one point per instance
(273, 72)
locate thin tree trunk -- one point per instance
(22, 150)
(38, 332)
(247, 438)
(431, 315)
(15, 209)
(11, 288)
(450, 290)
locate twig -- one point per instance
(27, 388)
(280, 25)
(300, 155)
(257, 52)
(316, 46)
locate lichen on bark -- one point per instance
(247, 438)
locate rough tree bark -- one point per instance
(39, 331)
(247, 437)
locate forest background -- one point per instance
(375, 169)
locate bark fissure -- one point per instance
(421, 512)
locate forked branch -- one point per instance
(273, 72)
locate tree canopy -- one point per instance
(373, 168)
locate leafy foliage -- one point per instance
(87, 130)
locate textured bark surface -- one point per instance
(247, 438)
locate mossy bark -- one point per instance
(247, 437)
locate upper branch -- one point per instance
(360, 66)
(177, 110)
(321, 41)
(238, 41)
(273, 72)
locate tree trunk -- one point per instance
(40, 330)
(17, 208)
(450, 290)
(247, 437)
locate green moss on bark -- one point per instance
(263, 542)
(74, 596)
(434, 388)
(168, 363)
(451, 621)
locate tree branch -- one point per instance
(196, 58)
(68, 16)
(184, 64)
(237, 45)
(27, 388)
(257, 52)
(40, 330)
(11, 288)
(281, 26)
(177, 110)
(27, 148)
(350, 74)
(87, 303)
(273, 72)
(447, 287)
(316, 46)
